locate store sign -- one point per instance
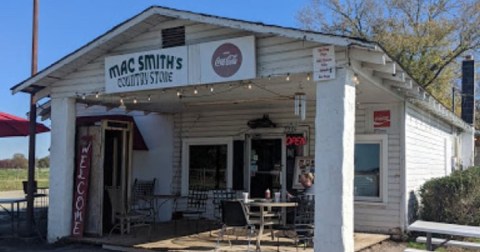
(217, 61)
(296, 141)
(81, 185)
(229, 60)
(324, 63)
(381, 119)
(146, 70)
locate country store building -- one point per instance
(166, 83)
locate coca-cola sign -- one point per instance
(226, 60)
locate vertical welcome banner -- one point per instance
(80, 194)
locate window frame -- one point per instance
(382, 140)
(186, 143)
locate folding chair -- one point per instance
(142, 197)
(196, 205)
(218, 196)
(234, 215)
(302, 229)
(127, 219)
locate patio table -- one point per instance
(265, 215)
(12, 202)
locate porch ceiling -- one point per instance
(264, 92)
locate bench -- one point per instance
(449, 243)
(430, 227)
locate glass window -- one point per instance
(367, 170)
(208, 166)
(370, 164)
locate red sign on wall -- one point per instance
(226, 60)
(81, 185)
(381, 119)
(296, 140)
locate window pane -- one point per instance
(367, 170)
(208, 166)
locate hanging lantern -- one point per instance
(300, 105)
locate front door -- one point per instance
(266, 163)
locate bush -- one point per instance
(452, 199)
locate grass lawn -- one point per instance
(11, 179)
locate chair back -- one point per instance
(218, 196)
(197, 198)
(25, 186)
(233, 213)
(143, 188)
(116, 199)
(305, 211)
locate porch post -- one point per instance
(62, 154)
(334, 144)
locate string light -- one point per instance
(308, 76)
(83, 97)
(97, 95)
(195, 91)
(179, 93)
(355, 79)
(149, 98)
(211, 89)
(249, 86)
(135, 100)
(288, 77)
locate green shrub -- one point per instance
(452, 199)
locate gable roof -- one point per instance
(147, 19)
(152, 16)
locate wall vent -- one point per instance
(172, 37)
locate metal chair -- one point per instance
(126, 219)
(234, 215)
(218, 196)
(196, 205)
(43, 197)
(142, 197)
(303, 227)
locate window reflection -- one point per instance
(367, 170)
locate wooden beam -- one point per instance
(407, 84)
(373, 57)
(399, 77)
(389, 68)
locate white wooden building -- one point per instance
(374, 133)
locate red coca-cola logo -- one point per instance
(226, 60)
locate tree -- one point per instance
(19, 161)
(425, 36)
(43, 162)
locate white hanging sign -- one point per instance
(324, 63)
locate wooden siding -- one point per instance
(230, 123)
(425, 151)
(382, 217)
(272, 54)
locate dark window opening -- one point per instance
(208, 166)
(172, 37)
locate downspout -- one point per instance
(403, 170)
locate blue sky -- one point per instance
(65, 26)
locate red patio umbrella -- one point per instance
(11, 125)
